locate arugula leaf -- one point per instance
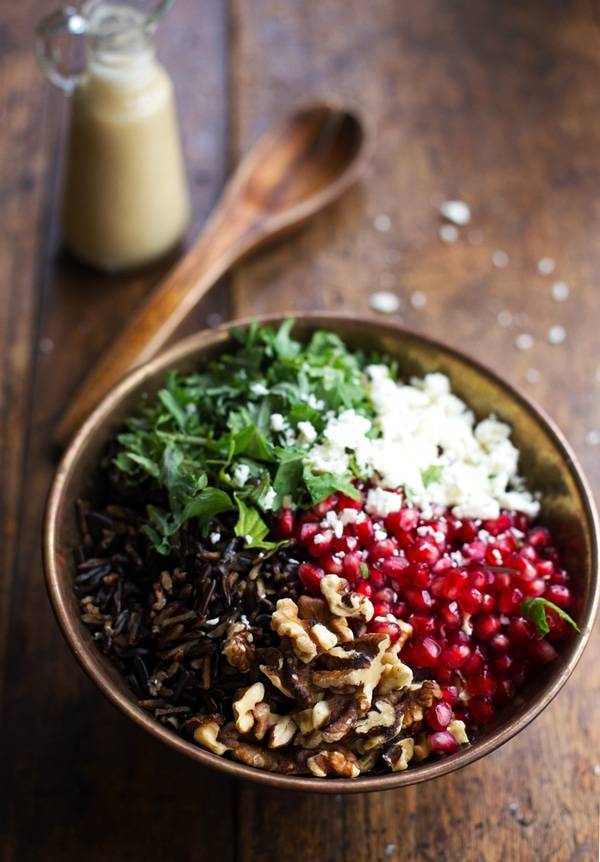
(535, 610)
(288, 476)
(322, 485)
(207, 504)
(174, 408)
(251, 526)
(250, 441)
(432, 474)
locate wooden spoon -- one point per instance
(291, 174)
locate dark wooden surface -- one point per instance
(494, 102)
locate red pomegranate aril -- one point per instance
(503, 664)
(443, 741)
(443, 565)
(285, 524)
(332, 565)
(364, 531)
(488, 603)
(320, 509)
(475, 664)
(474, 550)
(455, 656)
(509, 601)
(558, 594)
(344, 545)
(427, 651)
(402, 521)
(442, 675)
(454, 583)
(439, 715)
(544, 568)
(465, 530)
(310, 576)
(376, 577)
(482, 683)
(424, 552)
(481, 710)
(559, 576)
(477, 579)
(521, 522)
(505, 691)
(345, 502)
(381, 609)
(320, 544)
(420, 575)
(401, 610)
(520, 631)
(500, 643)
(486, 626)
(502, 581)
(381, 550)
(541, 652)
(493, 556)
(365, 588)
(469, 600)
(558, 627)
(420, 600)
(352, 569)
(535, 589)
(385, 627)
(397, 569)
(385, 594)
(307, 532)
(450, 615)
(539, 537)
(450, 694)
(498, 525)
(422, 625)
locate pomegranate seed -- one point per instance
(454, 583)
(385, 627)
(505, 691)
(450, 694)
(545, 568)
(401, 610)
(558, 627)
(478, 579)
(465, 530)
(509, 601)
(539, 537)
(345, 544)
(345, 502)
(381, 609)
(310, 575)
(535, 589)
(427, 651)
(376, 577)
(307, 532)
(498, 525)
(444, 742)
(474, 550)
(520, 631)
(420, 600)
(558, 594)
(365, 588)
(482, 683)
(481, 710)
(469, 600)
(422, 625)
(488, 603)
(503, 664)
(402, 521)
(541, 652)
(521, 522)
(364, 531)
(352, 568)
(397, 569)
(475, 664)
(500, 643)
(326, 505)
(420, 575)
(502, 581)
(285, 524)
(455, 656)
(320, 544)
(559, 576)
(450, 615)
(486, 626)
(424, 552)
(383, 549)
(443, 675)
(332, 565)
(439, 716)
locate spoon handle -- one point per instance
(227, 237)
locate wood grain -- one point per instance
(496, 103)
(492, 103)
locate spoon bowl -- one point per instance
(292, 173)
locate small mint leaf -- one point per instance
(364, 570)
(535, 610)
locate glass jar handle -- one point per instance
(48, 52)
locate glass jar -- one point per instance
(125, 199)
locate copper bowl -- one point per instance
(546, 460)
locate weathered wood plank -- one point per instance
(495, 104)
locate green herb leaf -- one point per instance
(251, 526)
(432, 474)
(207, 504)
(364, 570)
(250, 441)
(535, 610)
(288, 476)
(175, 409)
(322, 485)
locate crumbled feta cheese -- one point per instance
(269, 499)
(418, 299)
(382, 503)
(307, 431)
(504, 318)
(557, 334)
(524, 341)
(277, 422)
(384, 302)
(546, 266)
(319, 539)
(248, 538)
(349, 516)
(215, 537)
(382, 223)
(259, 389)
(457, 212)
(380, 535)
(560, 291)
(241, 475)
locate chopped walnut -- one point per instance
(398, 755)
(238, 648)
(344, 603)
(312, 718)
(282, 732)
(243, 707)
(395, 675)
(359, 666)
(338, 762)
(458, 731)
(287, 625)
(342, 720)
(257, 756)
(384, 715)
(263, 720)
(422, 747)
(207, 731)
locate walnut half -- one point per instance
(207, 732)
(243, 707)
(340, 763)
(344, 603)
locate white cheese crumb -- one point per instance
(215, 537)
(382, 503)
(384, 302)
(319, 539)
(546, 266)
(448, 233)
(248, 538)
(418, 299)
(500, 259)
(241, 475)
(457, 212)
(277, 422)
(504, 318)
(557, 334)
(524, 341)
(307, 431)
(269, 499)
(382, 223)
(349, 516)
(259, 389)
(560, 291)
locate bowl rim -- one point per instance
(87, 655)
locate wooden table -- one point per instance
(493, 102)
